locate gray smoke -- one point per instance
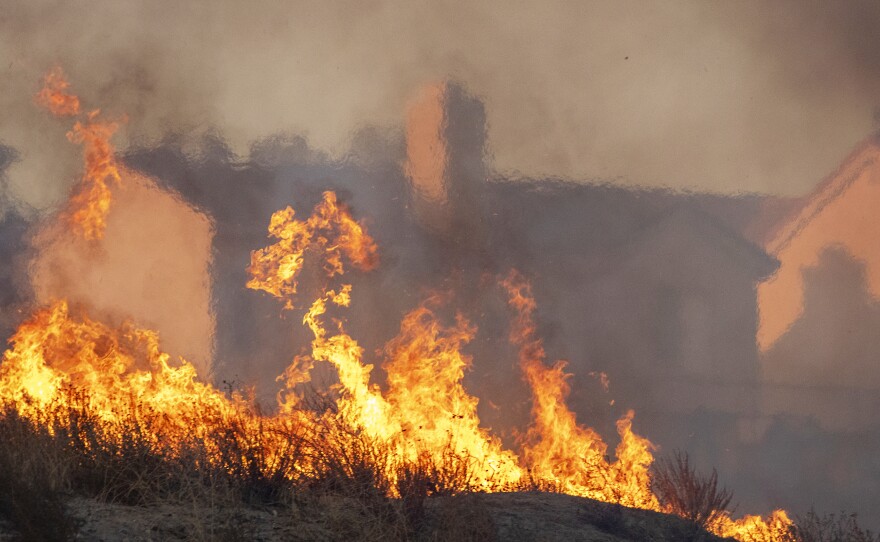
(15, 290)
(746, 96)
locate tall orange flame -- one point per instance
(90, 202)
(426, 412)
(425, 368)
(571, 456)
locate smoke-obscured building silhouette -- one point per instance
(651, 287)
(659, 290)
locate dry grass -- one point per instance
(326, 481)
(34, 472)
(331, 478)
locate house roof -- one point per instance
(598, 223)
(688, 224)
(865, 156)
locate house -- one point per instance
(819, 311)
(659, 290)
(654, 288)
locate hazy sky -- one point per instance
(731, 97)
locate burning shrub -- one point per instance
(349, 462)
(681, 490)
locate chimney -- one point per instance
(445, 146)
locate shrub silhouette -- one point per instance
(831, 528)
(683, 491)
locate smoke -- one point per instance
(8, 155)
(15, 291)
(151, 267)
(255, 339)
(747, 96)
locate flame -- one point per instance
(121, 369)
(54, 96)
(60, 356)
(330, 231)
(88, 206)
(64, 368)
(570, 456)
(777, 527)
(425, 368)
(362, 404)
(91, 201)
(61, 360)
(426, 412)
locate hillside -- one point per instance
(521, 516)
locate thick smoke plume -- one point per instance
(749, 96)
